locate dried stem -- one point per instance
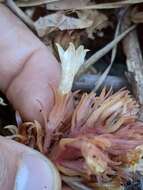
(33, 3)
(87, 82)
(12, 5)
(111, 5)
(134, 60)
(75, 184)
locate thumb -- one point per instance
(24, 168)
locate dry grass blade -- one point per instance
(33, 3)
(114, 51)
(105, 73)
(12, 5)
(95, 57)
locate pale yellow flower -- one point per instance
(71, 61)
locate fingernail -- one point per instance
(37, 173)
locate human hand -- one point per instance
(27, 69)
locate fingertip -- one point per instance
(38, 173)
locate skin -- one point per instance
(27, 68)
(25, 169)
(27, 71)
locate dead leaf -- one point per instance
(60, 21)
(99, 19)
(136, 16)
